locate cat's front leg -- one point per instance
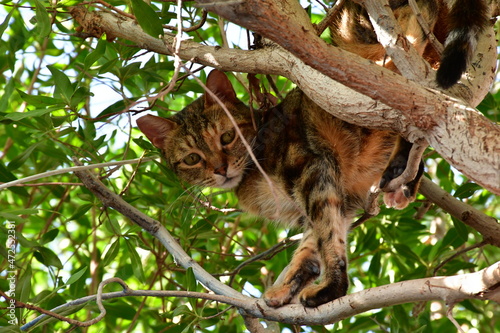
(331, 234)
(322, 252)
(303, 269)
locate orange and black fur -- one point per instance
(320, 169)
(456, 23)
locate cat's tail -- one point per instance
(466, 20)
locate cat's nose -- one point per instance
(221, 170)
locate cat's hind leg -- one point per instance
(322, 252)
(401, 178)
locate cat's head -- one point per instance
(200, 143)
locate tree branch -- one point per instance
(390, 35)
(463, 136)
(486, 225)
(110, 199)
(481, 285)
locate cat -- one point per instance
(456, 24)
(321, 169)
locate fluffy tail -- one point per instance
(467, 18)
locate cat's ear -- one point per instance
(219, 84)
(157, 129)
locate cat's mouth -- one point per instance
(229, 182)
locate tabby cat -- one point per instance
(319, 171)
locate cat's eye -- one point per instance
(227, 137)
(192, 159)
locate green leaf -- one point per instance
(375, 266)
(47, 257)
(19, 160)
(16, 116)
(420, 330)
(39, 100)
(462, 231)
(5, 22)
(62, 83)
(405, 251)
(49, 236)
(43, 26)
(182, 310)
(136, 261)
(112, 252)
(76, 276)
(24, 285)
(95, 55)
(466, 190)
(80, 211)
(113, 108)
(148, 19)
(6, 95)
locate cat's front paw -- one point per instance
(316, 294)
(296, 278)
(278, 296)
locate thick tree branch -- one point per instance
(460, 134)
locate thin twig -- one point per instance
(425, 27)
(458, 253)
(266, 255)
(191, 28)
(449, 314)
(68, 170)
(126, 292)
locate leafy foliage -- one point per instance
(63, 96)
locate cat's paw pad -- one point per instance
(295, 280)
(398, 199)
